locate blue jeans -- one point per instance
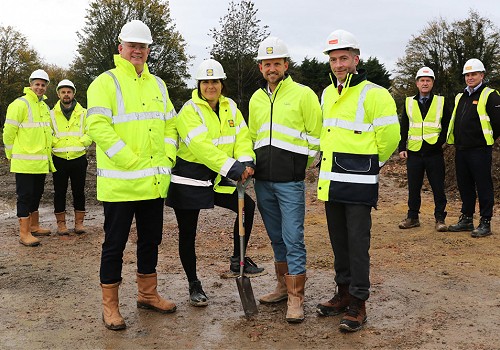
(282, 207)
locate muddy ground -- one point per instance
(430, 290)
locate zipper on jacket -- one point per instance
(271, 125)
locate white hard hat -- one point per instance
(39, 74)
(210, 69)
(272, 47)
(136, 31)
(340, 39)
(66, 82)
(473, 65)
(425, 72)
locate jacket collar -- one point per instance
(31, 95)
(128, 67)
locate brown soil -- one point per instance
(430, 290)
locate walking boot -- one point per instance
(148, 297)
(61, 224)
(464, 223)
(441, 226)
(409, 223)
(111, 314)
(197, 296)
(36, 230)
(295, 306)
(280, 292)
(484, 228)
(26, 238)
(79, 216)
(336, 305)
(355, 316)
(250, 270)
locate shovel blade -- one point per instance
(246, 296)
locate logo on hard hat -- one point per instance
(425, 71)
(210, 72)
(269, 50)
(333, 41)
(468, 68)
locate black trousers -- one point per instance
(417, 166)
(29, 191)
(349, 227)
(187, 220)
(473, 170)
(76, 171)
(118, 218)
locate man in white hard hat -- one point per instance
(285, 125)
(474, 127)
(69, 148)
(131, 119)
(27, 137)
(424, 124)
(360, 132)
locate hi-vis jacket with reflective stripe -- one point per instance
(214, 141)
(483, 117)
(427, 128)
(131, 120)
(27, 135)
(285, 128)
(360, 132)
(70, 140)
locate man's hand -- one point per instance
(403, 155)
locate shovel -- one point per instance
(243, 282)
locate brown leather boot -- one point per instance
(295, 305)
(79, 216)
(26, 238)
(355, 316)
(148, 297)
(336, 305)
(61, 223)
(111, 313)
(280, 292)
(36, 230)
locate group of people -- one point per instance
(473, 126)
(148, 156)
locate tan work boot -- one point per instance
(409, 223)
(36, 230)
(295, 305)
(111, 313)
(26, 238)
(280, 292)
(61, 223)
(79, 216)
(336, 305)
(441, 226)
(148, 297)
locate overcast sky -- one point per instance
(382, 27)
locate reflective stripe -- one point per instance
(245, 159)
(225, 140)
(34, 125)
(349, 178)
(12, 122)
(233, 106)
(69, 149)
(171, 141)
(348, 125)
(389, 120)
(484, 117)
(120, 104)
(99, 110)
(195, 132)
(284, 145)
(131, 175)
(63, 134)
(30, 157)
(124, 118)
(289, 131)
(163, 91)
(188, 181)
(30, 114)
(227, 166)
(360, 112)
(117, 147)
(9, 146)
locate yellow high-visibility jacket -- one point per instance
(427, 128)
(215, 141)
(360, 132)
(285, 128)
(27, 135)
(70, 140)
(131, 120)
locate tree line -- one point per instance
(441, 45)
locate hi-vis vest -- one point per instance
(27, 135)
(360, 132)
(214, 141)
(427, 128)
(483, 117)
(70, 140)
(131, 120)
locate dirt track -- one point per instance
(429, 290)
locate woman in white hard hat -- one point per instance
(214, 146)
